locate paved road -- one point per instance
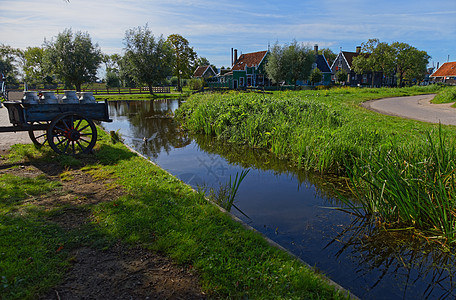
(7, 139)
(415, 107)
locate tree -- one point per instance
(112, 79)
(409, 61)
(291, 62)
(8, 62)
(315, 76)
(298, 60)
(329, 55)
(148, 60)
(420, 60)
(274, 67)
(34, 65)
(385, 59)
(73, 57)
(367, 61)
(184, 57)
(112, 63)
(341, 75)
(202, 61)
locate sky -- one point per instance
(214, 27)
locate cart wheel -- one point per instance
(72, 134)
(38, 137)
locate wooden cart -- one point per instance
(68, 128)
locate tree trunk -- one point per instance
(179, 89)
(151, 90)
(373, 77)
(78, 87)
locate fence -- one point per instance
(107, 91)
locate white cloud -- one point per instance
(213, 27)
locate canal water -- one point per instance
(290, 207)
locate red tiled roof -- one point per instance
(249, 60)
(199, 72)
(447, 69)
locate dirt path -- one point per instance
(415, 107)
(119, 272)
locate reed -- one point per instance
(226, 193)
(401, 171)
(315, 130)
(408, 186)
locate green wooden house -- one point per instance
(247, 71)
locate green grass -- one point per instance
(448, 95)
(315, 130)
(158, 212)
(29, 263)
(402, 171)
(409, 187)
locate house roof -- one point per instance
(249, 60)
(322, 64)
(349, 57)
(447, 69)
(199, 72)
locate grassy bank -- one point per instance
(157, 211)
(328, 132)
(316, 130)
(447, 95)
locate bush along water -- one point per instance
(401, 171)
(282, 125)
(409, 187)
(315, 130)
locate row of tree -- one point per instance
(74, 59)
(397, 59)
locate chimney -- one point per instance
(358, 49)
(316, 49)
(235, 56)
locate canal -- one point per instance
(291, 207)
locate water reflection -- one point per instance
(329, 187)
(287, 205)
(415, 264)
(149, 125)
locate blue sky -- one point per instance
(214, 27)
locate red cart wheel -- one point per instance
(72, 134)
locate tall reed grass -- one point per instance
(401, 171)
(315, 130)
(409, 187)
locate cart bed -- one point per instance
(20, 114)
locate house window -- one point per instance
(260, 79)
(249, 80)
(364, 78)
(241, 81)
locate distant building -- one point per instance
(344, 61)
(446, 73)
(247, 71)
(204, 72)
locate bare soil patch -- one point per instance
(120, 272)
